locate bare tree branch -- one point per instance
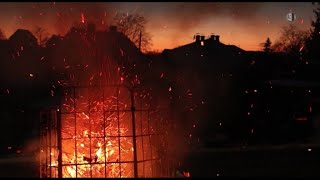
(131, 25)
(41, 34)
(291, 40)
(2, 35)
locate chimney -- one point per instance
(218, 38)
(212, 36)
(202, 38)
(113, 28)
(197, 37)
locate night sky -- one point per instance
(171, 24)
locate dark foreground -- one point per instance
(285, 161)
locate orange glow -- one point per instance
(301, 119)
(102, 149)
(186, 174)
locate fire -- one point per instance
(97, 140)
(99, 152)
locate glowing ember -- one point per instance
(186, 174)
(301, 48)
(82, 18)
(161, 76)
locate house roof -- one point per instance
(214, 53)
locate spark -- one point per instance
(309, 149)
(122, 52)
(85, 115)
(301, 48)
(8, 91)
(91, 78)
(31, 75)
(170, 89)
(161, 76)
(21, 48)
(42, 58)
(52, 93)
(82, 17)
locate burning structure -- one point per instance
(95, 133)
(108, 127)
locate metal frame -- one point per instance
(55, 129)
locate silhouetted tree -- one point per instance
(2, 35)
(41, 34)
(291, 40)
(132, 25)
(54, 40)
(314, 40)
(267, 45)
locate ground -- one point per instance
(271, 161)
(275, 161)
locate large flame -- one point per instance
(97, 137)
